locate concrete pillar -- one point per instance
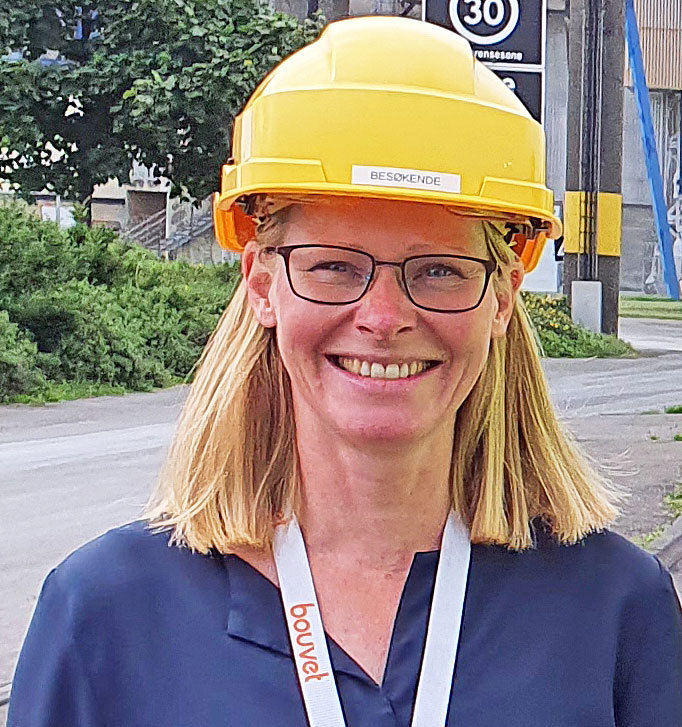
(601, 260)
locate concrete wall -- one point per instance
(144, 203)
(639, 230)
(639, 242)
(203, 249)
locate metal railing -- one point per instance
(150, 232)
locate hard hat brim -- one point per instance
(234, 234)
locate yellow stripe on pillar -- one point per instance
(609, 223)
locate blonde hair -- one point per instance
(232, 467)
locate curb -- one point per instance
(668, 546)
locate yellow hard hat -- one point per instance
(394, 108)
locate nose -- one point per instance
(385, 310)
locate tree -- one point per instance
(156, 81)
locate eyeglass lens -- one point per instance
(333, 275)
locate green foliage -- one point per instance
(561, 338)
(650, 307)
(19, 373)
(161, 84)
(66, 391)
(674, 501)
(676, 409)
(88, 308)
(648, 539)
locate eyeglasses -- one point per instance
(333, 275)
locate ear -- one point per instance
(506, 299)
(258, 277)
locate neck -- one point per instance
(375, 504)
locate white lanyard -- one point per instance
(309, 646)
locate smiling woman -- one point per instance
(471, 372)
(370, 514)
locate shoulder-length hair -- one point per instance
(232, 468)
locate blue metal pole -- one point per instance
(653, 165)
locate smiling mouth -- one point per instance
(375, 370)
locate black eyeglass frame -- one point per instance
(286, 250)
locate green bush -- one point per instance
(559, 337)
(19, 373)
(104, 312)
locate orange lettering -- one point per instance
(308, 653)
(310, 667)
(301, 625)
(317, 676)
(303, 607)
(300, 642)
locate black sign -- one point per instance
(499, 31)
(528, 86)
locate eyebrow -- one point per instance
(422, 248)
(414, 248)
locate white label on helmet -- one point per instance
(408, 178)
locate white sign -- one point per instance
(407, 178)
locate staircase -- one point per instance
(151, 232)
(200, 222)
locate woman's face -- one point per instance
(383, 327)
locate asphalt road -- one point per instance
(71, 471)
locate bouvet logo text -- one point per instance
(305, 646)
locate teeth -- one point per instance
(393, 371)
(379, 371)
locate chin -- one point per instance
(383, 429)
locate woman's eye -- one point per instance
(440, 271)
(335, 267)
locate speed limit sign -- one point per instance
(485, 22)
(500, 31)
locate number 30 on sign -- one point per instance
(484, 22)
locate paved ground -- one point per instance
(72, 470)
(653, 335)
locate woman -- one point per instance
(370, 416)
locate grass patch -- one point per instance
(654, 437)
(67, 391)
(649, 307)
(645, 541)
(675, 409)
(677, 438)
(673, 501)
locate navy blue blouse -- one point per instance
(129, 632)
